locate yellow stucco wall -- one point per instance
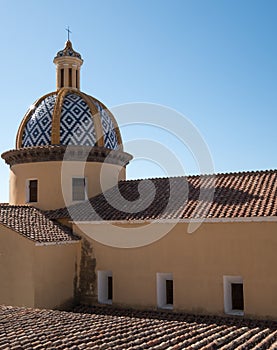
(198, 262)
(55, 181)
(16, 269)
(55, 274)
(36, 275)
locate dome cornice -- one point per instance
(66, 153)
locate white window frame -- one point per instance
(102, 286)
(161, 290)
(27, 190)
(86, 188)
(227, 286)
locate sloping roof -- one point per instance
(108, 328)
(232, 195)
(33, 224)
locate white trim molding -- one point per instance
(181, 221)
(40, 244)
(102, 286)
(161, 290)
(227, 286)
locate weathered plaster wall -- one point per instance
(86, 284)
(55, 272)
(198, 263)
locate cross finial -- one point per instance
(68, 32)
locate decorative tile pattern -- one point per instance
(110, 139)
(38, 128)
(76, 126)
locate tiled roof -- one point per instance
(33, 224)
(109, 328)
(232, 195)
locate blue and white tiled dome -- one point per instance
(68, 117)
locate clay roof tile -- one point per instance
(34, 224)
(231, 195)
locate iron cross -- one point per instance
(68, 32)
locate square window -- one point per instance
(32, 191)
(165, 296)
(105, 287)
(110, 287)
(79, 189)
(233, 295)
(237, 296)
(169, 292)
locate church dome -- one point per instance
(68, 117)
(68, 145)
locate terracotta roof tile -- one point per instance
(111, 328)
(233, 195)
(33, 224)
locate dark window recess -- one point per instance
(110, 288)
(62, 77)
(33, 190)
(77, 80)
(237, 296)
(78, 189)
(169, 292)
(70, 77)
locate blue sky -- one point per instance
(214, 61)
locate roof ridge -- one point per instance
(199, 175)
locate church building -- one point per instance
(76, 231)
